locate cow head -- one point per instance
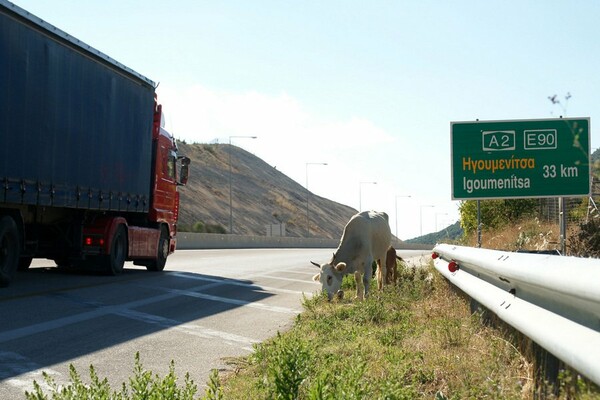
(330, 277)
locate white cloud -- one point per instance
(200, 114)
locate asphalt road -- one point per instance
(206, 306)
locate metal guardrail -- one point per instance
(553, 300)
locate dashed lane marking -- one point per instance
(225, 281)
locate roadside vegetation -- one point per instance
(514, 225)
(415, 340)
(142, 385)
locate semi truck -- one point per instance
(88, 174)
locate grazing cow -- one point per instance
(391, 266)
(365, 239)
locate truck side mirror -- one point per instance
(185, 170)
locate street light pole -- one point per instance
(396, 205)
(230, 174)
(360, 193)
(307, 196)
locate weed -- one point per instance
(214, 390)
(451, 332)
(143, 385)
(286, 362)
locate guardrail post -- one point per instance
(547, 368)
(484, 314)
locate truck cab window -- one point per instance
(171, 165)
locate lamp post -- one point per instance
(396, 206)
(360, 193)
(307, 196)
(421, 218)
(230, 174)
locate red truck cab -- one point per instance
(114, 239)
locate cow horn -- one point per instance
(315, 264)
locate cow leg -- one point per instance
(359, 289)
(367, 282)
(381, 274)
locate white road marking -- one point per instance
(21, 372)
(227, 300)
(281, 278)
(102, 310)
(191, 329)
(221, 281)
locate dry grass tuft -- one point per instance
(529, 234)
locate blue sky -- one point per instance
(370, 88)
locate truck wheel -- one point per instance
(113, 263)
(9, 250)
(163, 252)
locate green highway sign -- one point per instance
(520, 158)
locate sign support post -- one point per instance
(479, 223)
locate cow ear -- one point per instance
(317, 277)
(340, 266)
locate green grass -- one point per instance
(414, 340)
(417, 340)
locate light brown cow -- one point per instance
(391, 270)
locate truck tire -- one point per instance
(113, 262)
(9, 250)
(163, 251)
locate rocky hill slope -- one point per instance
(261, 195)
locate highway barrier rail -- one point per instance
(553, 300)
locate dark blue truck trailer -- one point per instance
(88, 175)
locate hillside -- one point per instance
(449, 234)
(262, 195)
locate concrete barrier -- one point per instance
(191, 240)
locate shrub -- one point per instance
(143, 385)
(495, 213)
(201, 227)
(288, 361)
(586, 241)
